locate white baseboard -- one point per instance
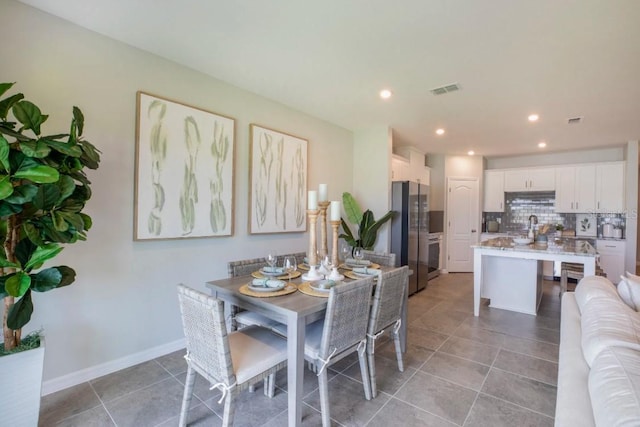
(83, 375)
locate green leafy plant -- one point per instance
(43, 190)
(367, 225)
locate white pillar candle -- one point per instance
(312, 203)
(335, 210)
(322, 193)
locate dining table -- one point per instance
(295, 310)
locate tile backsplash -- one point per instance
(520, 205)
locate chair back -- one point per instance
(245, 267)
(206, 335)
(382, 258)
(345, 323)
(388, 299)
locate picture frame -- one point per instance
(184, 177)
(586, 225)
(278, 182)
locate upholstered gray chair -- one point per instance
(230, 362)
(340, 333)
(382, 258)
(386, 314)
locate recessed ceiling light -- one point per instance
(440, 131)
(385, 94)
(471, 152)
(542, 144)
(533, 117)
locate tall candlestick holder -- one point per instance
(334, 247)
(313, 219)
(322, 209)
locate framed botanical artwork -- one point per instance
(278, 168)
(586, 225)
(184, 171)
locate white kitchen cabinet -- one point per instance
(575, 188)
(412, 169)
(493, 191)
(399, 169)
(532, 179)
(610, 187)
(612, 253)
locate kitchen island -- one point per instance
(510, 275)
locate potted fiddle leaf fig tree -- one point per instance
(367, 225)
(43, 190)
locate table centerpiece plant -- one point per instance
(43, 190)
(367, 225)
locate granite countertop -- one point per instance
(557, 246)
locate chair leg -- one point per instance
(229, 407)
(364, 371)
(323, 384)
(563, 281)
(398, 345)
(270, 386)
(186, 398)
(372, 367)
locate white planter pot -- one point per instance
(21, 376)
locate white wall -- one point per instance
(124, 300)
(631, 220)
(372, 152)
(564, 158)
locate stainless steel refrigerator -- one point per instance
(410, 230)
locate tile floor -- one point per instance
(499, 369)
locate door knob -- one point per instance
(473, 230)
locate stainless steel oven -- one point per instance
(434, 255)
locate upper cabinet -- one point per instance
(493, 191)
(532, 179)
(610, 188)
(410, 167)
(575, 188)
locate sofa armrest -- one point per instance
(573, 404)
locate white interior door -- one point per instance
(463, 212)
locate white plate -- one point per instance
(361, 272)
(272, 285)
(312, 279)
(318, 286)
(521, 240)
(277, 271)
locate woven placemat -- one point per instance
(350, 267)
(306, 288)
(288, 289)
(285, 276)
(351, 275)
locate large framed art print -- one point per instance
(184, 171)
(278, 182)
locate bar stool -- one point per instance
(570, 270)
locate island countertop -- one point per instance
(554, 246)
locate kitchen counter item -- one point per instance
(607, 229)
(492, 226)
(617, 233)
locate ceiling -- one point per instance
(557, 58)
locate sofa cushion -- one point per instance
(629, 292)
(614, 387)
(594, 287)
(608, 322)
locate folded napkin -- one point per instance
(326, 284)
(266, 283)
(367, 271)
(354, 261)
(269, 269)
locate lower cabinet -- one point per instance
(612, 254)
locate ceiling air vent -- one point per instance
(445, 89)
(574, 120)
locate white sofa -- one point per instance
(599, 360)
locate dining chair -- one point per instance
(241, 319)
(230, 362)
(382, 258)
(342, 332)
(386, 314)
